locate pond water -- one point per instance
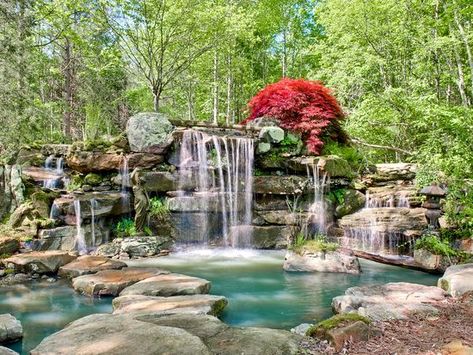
(44, 308)
(260, 293)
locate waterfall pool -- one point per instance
(259, 292)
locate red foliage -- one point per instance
(302, 106)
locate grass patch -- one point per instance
(158, 208)
(436, 246)
(319, 244)
(335, 322)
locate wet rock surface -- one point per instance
(89, 264)
(330, 261)
(10, 329)
(112, 282)
(195, 304)
(39, 262)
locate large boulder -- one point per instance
(194, 304)
(39, 262)
(135, 247)
(260, 237)
(6, 351)
(457, 280)
(430, 261)
(179, 334)
(396, 300)
(10, 329)
(322, 261)
(279, 185)
(149, 132)
(9, 245)
(352, 201)
(168, 285)
(332, 165)
(89, 264)
(112, 282)
(160, 181)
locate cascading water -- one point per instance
(80, 244)
(93, 203)
(317, 217)
(377, 229)
(125, 184)
(221, 170)
(57, 172)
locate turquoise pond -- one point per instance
(259, 292)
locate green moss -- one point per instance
(5, 256)
(93, 179)
(319, 244)
(336, 321)
(97, 144)
(9, 271)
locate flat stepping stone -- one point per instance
(112, 282)
(41, 262)
(10, 329)
(6, 351)
(89, 264)
(195, 304)
(395, 300)
(168, 285)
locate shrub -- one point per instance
(158, 207)
(301, 106)
(320, 243)
(125, 228)
(435, 245)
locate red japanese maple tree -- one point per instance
(301, 106)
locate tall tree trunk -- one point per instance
(464, 38)
(156, 97)
(461, 79)
(229, 119)
(215, 89)
(68, 72)
(284, 54)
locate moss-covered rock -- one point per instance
(352, 201)
(93, 179)
(28, 156)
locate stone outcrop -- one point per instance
(9, 245)
(134, 247)
(180, 334)
(6, 351)
(430, 261)
(39, 262)
(89, 264)
(10, 329)
(149, 132)
(168, 285)
(112, 282)
(11, 189)
(397, 300)
(385, 173)
(279, 185)
(457, 280)
(329, 261)
(262, 237)
(195, 304)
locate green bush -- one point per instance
(319, 243)
(125, 228)
(436, 246)
(349, 153)
(158, 207)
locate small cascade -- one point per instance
(93, 203)
(380, 226)
(317, 218)
(55, 167)
(125, 184)
(80, 244)
(54, 212)
(220, 170)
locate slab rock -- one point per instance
(112, 282)
(396, 300)
(10, 329)
(39, 262)
(180, 334)
(149, 132)
(89, 264)
(457, 280)
(332, 261)
(6, 351)
(168, 285)
(195, 304)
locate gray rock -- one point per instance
(89, 264)
(457, 280)
(144, 246)
(39, 262)
(263, 147)
(112, 282)
(279, 185)
(301, 329)
(120, 335)
(352, 201)
(397, 300)
(195, 304)
(331, 261)
(149, 132)
(6, 351)
(168, 285)
(272, 134)
(260, 237)
(430, 261)
(10, 329)
(9, 246)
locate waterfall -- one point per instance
(376, 230)
(125, 184)
(93, 202)
(57, 172)
(80, 243)
(221, 171)
(54, 211)
(317, 217)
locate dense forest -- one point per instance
(401, 69)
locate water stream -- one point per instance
(80, 244)
(55, 166)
